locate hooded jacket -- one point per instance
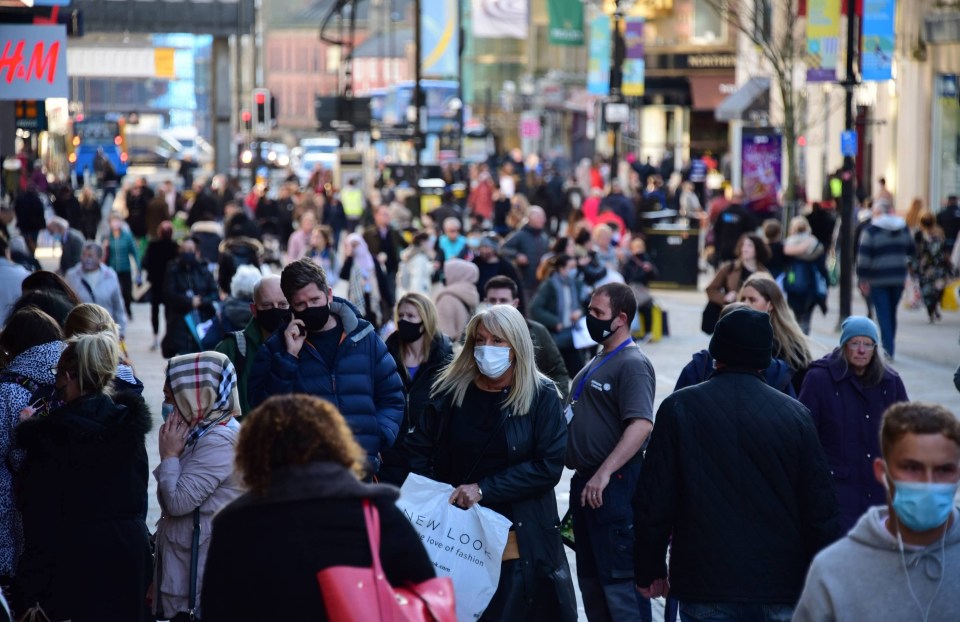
(863, 577)
(457, 301)
(886, 245)
(848, 416)
(84, 501)
(363, 383)
(35, 365)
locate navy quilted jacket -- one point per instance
(735, 473)
(363, 384)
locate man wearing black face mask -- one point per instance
(271, 312)
(328, 350)
(189, 286)
(610, 411)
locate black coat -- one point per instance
(736, 474)
(157, 257)
(84, 501)
(536, 443)
(181, 283)
(394, 468)
(266, 550)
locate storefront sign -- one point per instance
(33, 62)
(598, 69)
(685, 64)
(31, 115)
(566, 22)
(823, 40)
(633, 64)
(762, 160)
(878, 40)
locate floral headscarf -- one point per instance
(204, 388)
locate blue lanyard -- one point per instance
(586, 376)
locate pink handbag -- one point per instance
(353, 594)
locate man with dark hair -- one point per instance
(610, 415)
(898, 562)
(733, 221)
(502, 290)
(736, 483)
(385, 244)
(491, 265)
(188, 286)
(328, 350)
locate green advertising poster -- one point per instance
(566, 22)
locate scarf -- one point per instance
(204, 390)
(361, 254)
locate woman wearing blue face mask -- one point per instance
(195, 477)
(496, 432)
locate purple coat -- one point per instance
(847, 416)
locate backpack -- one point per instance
(241, 349)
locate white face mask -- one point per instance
(493, 361)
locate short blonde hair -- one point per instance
(94, 359)
(799, 224)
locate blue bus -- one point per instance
(87, 135)
(438, 97)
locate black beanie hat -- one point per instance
(743, 338)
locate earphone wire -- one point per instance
(924, 613)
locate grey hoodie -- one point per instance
(861, 577)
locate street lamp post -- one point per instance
(616, 84)
(849, 178)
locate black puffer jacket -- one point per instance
(736, 474)
(394, 468)
(84, 501)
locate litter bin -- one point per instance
(675, 251)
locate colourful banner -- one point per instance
(34, 62)
(598, 67)
(762, 166)
(497, 19)
(566, 22)
(633, 64)
(440, 39)
(823, 40)
(876, 57)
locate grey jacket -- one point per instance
(106, 293)
(11, 280)
(202, 476)
(70, 250)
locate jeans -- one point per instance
(885, 301)
(735, 612)
(605, 550)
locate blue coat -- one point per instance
(777, 375)
(363, 384)
(847, 416)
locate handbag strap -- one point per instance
(382, 587)
(194, 561)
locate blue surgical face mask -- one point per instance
(166, 409)
(923, 506)
(493, 361)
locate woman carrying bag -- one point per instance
(195, 476)
(496, 432)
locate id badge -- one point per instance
(568, 413)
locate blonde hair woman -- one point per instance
(762, 293)
(420, 351)
(84, 493)
(496, 432)
(88, 318)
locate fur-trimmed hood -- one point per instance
(122, 421)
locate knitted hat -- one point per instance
(743, 338)
(858, 326)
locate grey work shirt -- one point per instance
(618, 391)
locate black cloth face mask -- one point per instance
(314, 318)
(408, 332)
(272, 319)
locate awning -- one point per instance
(708, 92)
(752, 96)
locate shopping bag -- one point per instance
(465, 545)
(911, 294)
(950, 299)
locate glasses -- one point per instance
(861, 345)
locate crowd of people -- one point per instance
(488, 344)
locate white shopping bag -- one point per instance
(465, 545)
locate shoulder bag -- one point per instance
(352, 594)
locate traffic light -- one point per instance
(263, 111)
(247, 119)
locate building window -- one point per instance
(708, 26)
